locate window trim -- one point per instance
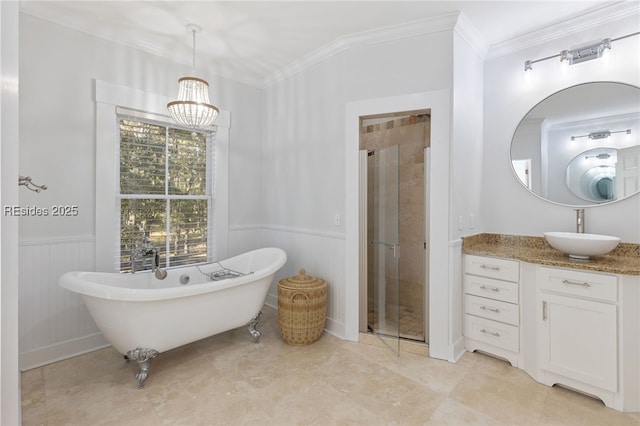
(108, 98)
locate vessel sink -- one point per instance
(581, 246)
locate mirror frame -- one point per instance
(586, 204)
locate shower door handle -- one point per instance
(394, 247)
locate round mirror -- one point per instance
(581, 146)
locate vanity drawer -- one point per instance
(493, 289)
(492, 309)
(578, 283)
(492, 332)
(490, 267)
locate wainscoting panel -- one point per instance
(53, 322)
(321, 255)
(456, 309)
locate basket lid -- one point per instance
(301, 279)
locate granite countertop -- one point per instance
(625, 259)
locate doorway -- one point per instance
(394, 150)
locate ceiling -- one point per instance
(251, 41)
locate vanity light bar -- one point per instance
(603, 156)
(586, 53)
(600, 134)
(580, 54)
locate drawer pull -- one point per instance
(484, 308)
(583, 284)
(493, 333)
(493, 268)
(484, 287)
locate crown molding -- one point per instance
(595, 122)
(58, 17)
(472, 36)
(419, 27)
(585, 21)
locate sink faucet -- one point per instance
(580, 221)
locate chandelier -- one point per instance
(193, 109)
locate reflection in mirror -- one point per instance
(580, 146)
(591, 175)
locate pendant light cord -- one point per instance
(194, 50)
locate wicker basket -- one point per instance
(302, 308)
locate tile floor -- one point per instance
(410, 324)
(228, 380)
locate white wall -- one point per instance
(304, 148)
(303, 176)
(58, 67)
(466, 170)
(466, 167)
(10, 409)
(507, 207)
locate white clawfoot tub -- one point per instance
(142, 316)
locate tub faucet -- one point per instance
(160, 273)
(580, 221)
(141, 253)
(145, 252)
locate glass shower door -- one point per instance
(384, 248)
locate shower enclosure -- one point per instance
(394, 240)
(383, 248)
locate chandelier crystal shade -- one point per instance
(193, 109)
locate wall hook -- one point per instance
(26, 181)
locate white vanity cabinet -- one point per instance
(577, 327)
(491, 306)
(580, 335)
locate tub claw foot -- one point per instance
(252, 327)
(143, 356)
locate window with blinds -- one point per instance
(164, 193)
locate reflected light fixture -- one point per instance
(603, 156)
(193, 109)
(600, 134)
(580, 54)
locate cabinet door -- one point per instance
(578, 339)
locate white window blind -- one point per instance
(165, 192)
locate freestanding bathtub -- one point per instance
(142, 316)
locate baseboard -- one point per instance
(63, 350)
(272, 301)
(334, 328)
(458, 349)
